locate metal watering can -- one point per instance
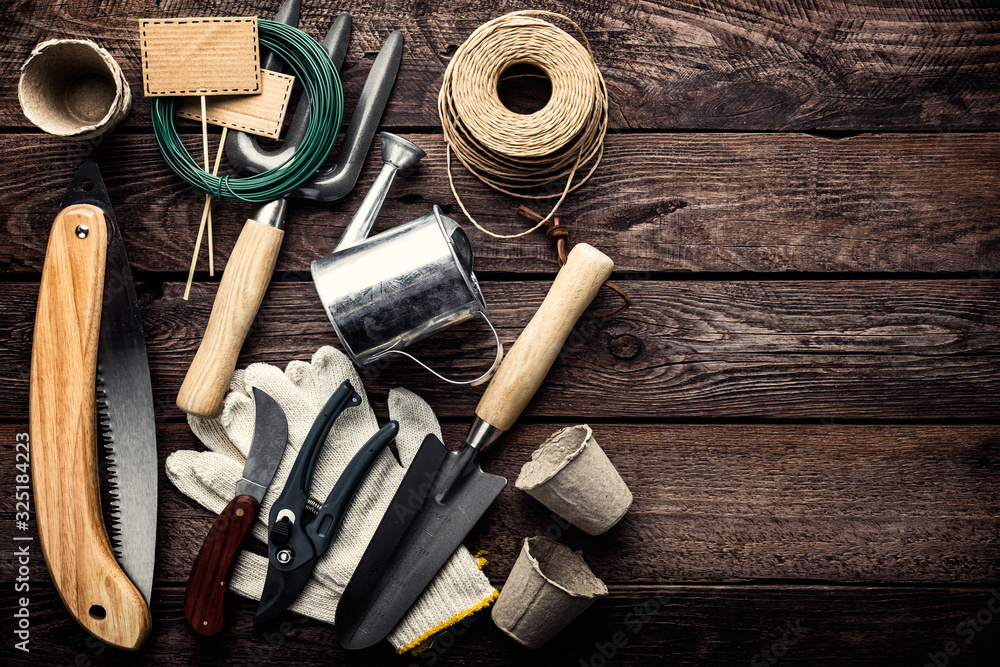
(384, 292)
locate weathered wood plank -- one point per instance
(726, 503)
(723, 64)
(727, 202)
(774, 349)
(677, 625)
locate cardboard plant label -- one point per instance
(257, 114)
(200, 56)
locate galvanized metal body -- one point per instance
(399, 286)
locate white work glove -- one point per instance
(459, 589)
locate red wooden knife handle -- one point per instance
(204, 600)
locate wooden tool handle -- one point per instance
(63, 424)
(535, 350)
(204, 600)
(241, 290)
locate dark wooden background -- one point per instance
(802, 198)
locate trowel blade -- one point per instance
(440, 499)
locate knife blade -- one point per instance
(435, 506)
(86, 308)
(204, 599)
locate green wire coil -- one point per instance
(314, 69)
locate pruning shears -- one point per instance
(298, 531)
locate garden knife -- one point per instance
(88, 338)
(204, 599)
(443, 493)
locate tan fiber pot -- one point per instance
(549, 586)
(73, 88)
(572, 476)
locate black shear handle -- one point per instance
(330, 516)
(302, 470)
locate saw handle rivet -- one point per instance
(239, 511)
(284, 556)
(82, 231)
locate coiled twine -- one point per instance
(537, 155)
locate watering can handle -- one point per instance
(479, 380)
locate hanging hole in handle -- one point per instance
(97, 612)
(479, 380)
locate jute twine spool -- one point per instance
(518, 154)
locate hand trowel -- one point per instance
(444, 493)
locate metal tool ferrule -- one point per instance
(246, 487)
(272, 213)
(482, 434)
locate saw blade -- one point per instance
(124, 399)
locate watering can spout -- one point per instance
(397, 153)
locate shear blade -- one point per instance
(280, 590)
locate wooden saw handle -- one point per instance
(536, 349)
(241, 290)
(63, 423)
(205, 597)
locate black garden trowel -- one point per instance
(444, 493)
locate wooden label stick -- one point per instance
(204, 141)
(204, 216)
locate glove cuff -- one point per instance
(459, 590)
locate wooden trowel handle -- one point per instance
(536, 349)
(62, 421)
(241, 290)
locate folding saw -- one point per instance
(89, 375)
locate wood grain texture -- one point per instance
(923, 349)
(686, 625)
(208, 584)
(63, 421)
(857, 139)
(658, 203)
(525, 366)
(719, 64)
(241, 290)
(730, 503)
